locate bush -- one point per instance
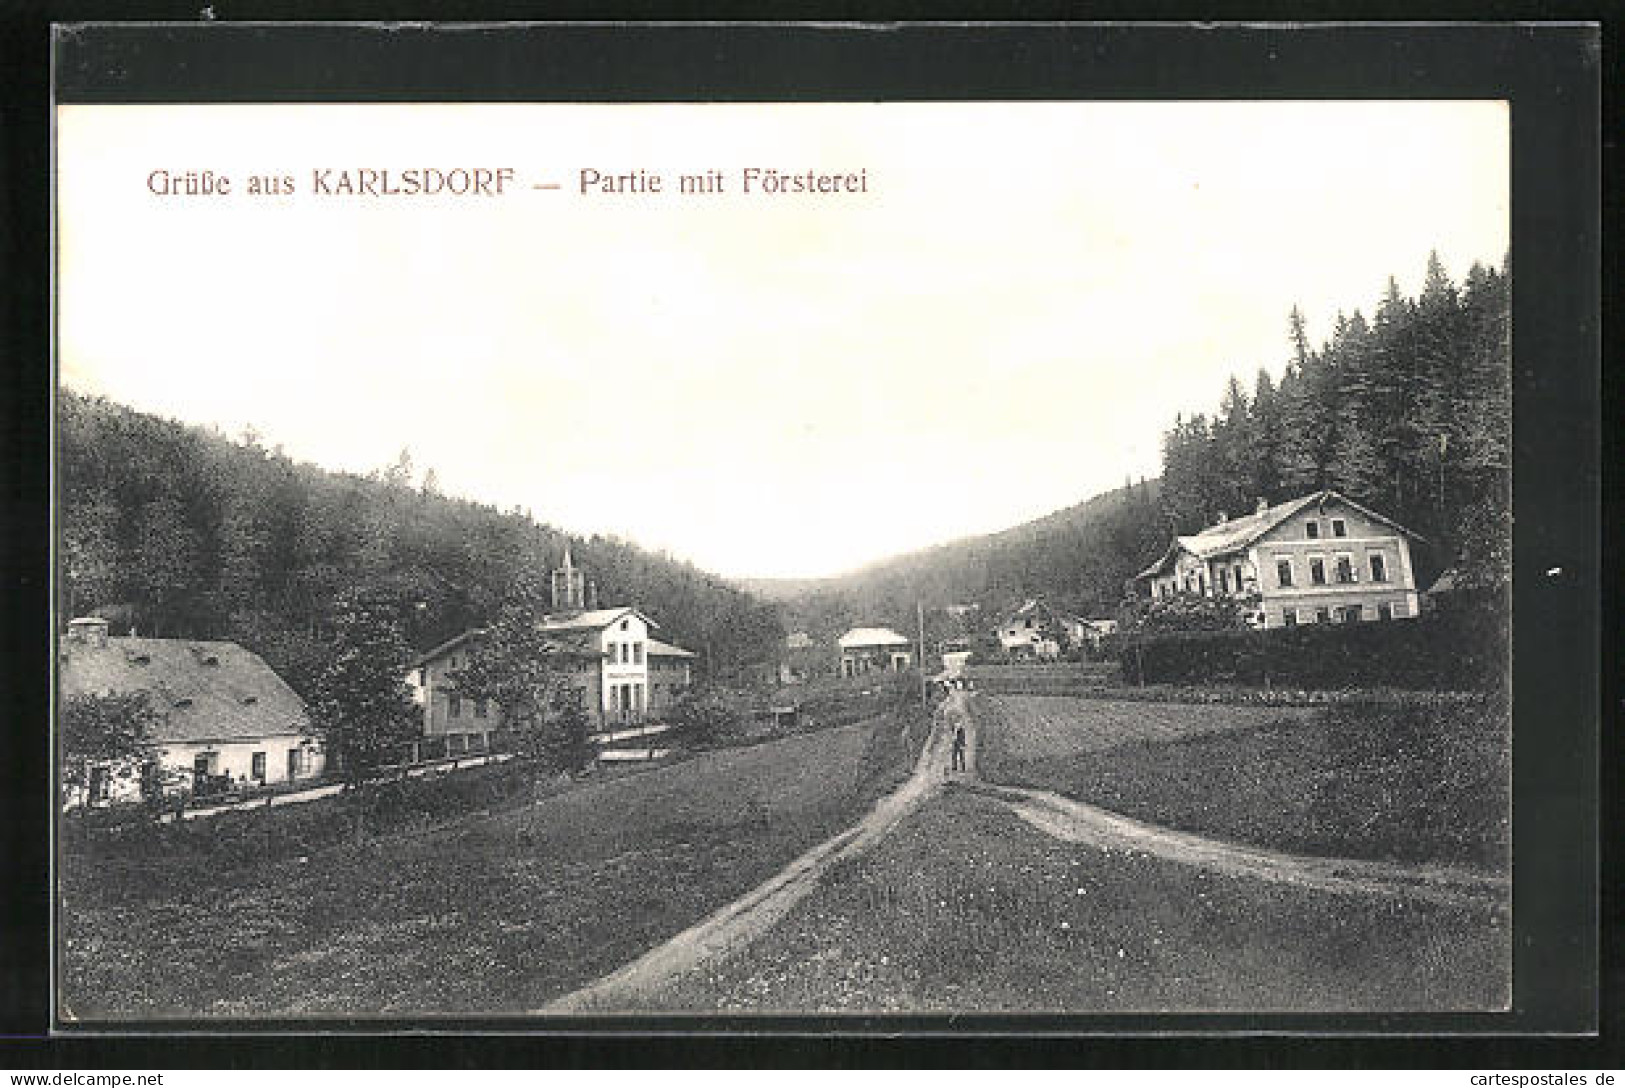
(1456, 653)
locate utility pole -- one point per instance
(919, 607)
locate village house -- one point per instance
(1030, 631)
(224, 719)
(1322, 558)
(620, 673)
(874, 649)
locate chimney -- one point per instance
(1263, 505)
(88, 630)
(1223, 517)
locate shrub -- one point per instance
(1446, 652)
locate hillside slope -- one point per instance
(1078, 558)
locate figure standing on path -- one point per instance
(959, 747)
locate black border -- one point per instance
(1552, 75)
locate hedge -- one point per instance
(1455, 652)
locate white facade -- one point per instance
(625, 687)
(1321, 559)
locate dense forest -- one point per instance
(177, 531)
(1408, 412)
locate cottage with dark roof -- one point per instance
(1322, 558)
(222, 713)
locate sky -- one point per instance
(1003, 323)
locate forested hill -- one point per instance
(1409, 412)
(182, 532)
(1077, 558)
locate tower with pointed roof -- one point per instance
(569, 586)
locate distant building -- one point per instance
(1322, 558)
(621, 674)
(800, 659)
(1030, 631)
(222, 713)
(1089, 632)
(874, 649)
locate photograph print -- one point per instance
(558, 560)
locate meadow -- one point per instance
(1416, 781)
(965, 909)
(491, 912)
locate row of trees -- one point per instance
(181, 532)
(1409, 412)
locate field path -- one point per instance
(1075, 821)
(751, 915)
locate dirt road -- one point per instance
(742, 921)
(1075, 821)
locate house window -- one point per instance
(1313, 529)
(1379, 569)
(257, 767)
(1385, 611)
(1224, 580)
(1289, 616)
(1353, 614)
(1338, 528)
(296, 763)
(1283, 572)
(482, 708)
(1323, 615)
(637, 653)
(1317, 570)
(99, 778)
(1399, 609)
(626, 625)
(1345, 570)
(455, 708)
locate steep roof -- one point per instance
(565, 641)
(595, 620)
(872, 636)
(666, 649)
(1238, 533)
(201, 691)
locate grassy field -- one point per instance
(487, 914)
(1412, 783)
(965, 908)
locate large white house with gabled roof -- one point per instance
(1322, 558)
(621, 674)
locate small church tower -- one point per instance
(569, 586)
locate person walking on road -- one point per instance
(959, 747)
